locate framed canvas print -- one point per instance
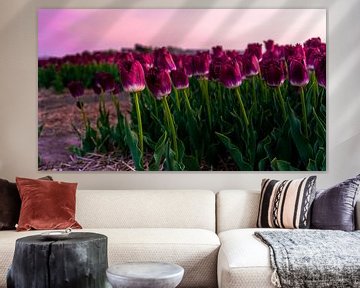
(175, 90)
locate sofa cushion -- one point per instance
(286, 204)
(236, 209)
(244, 261)
(194, 249)
(46, 204)
(146, 209)
(334, 208)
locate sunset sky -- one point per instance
(68, 31)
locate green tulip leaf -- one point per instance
(301, 142)
(281, 165)
(160, 150)
(132, 141)
(235, 153)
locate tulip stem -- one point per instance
(85, 119)
(187, 102)
(170, 121)
(138, 114)
(116, 104)
(155, 103)
(304, 111)
(282, 103)
(220, 96)
(254, 90)
(242, 108)
(205, 93)
(315, 89)
(102, 107)
(177, 98)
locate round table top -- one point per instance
(71, 238)
(146, 270)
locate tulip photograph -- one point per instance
(182, 89)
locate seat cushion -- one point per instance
(244, 261)
(196, 250)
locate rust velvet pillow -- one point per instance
(10, 204)
(46, 204)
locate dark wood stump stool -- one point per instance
(78, 261)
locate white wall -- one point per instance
(18, 97)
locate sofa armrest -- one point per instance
(357, 215)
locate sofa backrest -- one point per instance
(146, 209)
(236, 209)
(239, 209)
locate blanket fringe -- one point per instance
(275, 280)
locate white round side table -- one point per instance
(145, 275)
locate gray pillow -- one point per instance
(334, 208)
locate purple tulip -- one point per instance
(76, 88)
(296, 51)
(230, 75)
(146, 60)
(178, 60)
(320, 70)
(164, 60)
(254, 49)
(103, 82)
(217, 51)
(250, 65)
(201, 63)
(187, 61)
(215, 66)
(273, 71)
(298, 74)
(179, 78)
(269, 45)
(132, 76)
(311, 54)
(279, 51)
(313, 43)
(117, 89)
(126, 56)
(239, 60)
(323, 48)
(158, 82)
(232, 54)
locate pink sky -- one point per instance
(68, 31)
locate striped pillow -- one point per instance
(286, 204)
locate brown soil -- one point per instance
(59, 115)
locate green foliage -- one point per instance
(60, 78)
(207, 127)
